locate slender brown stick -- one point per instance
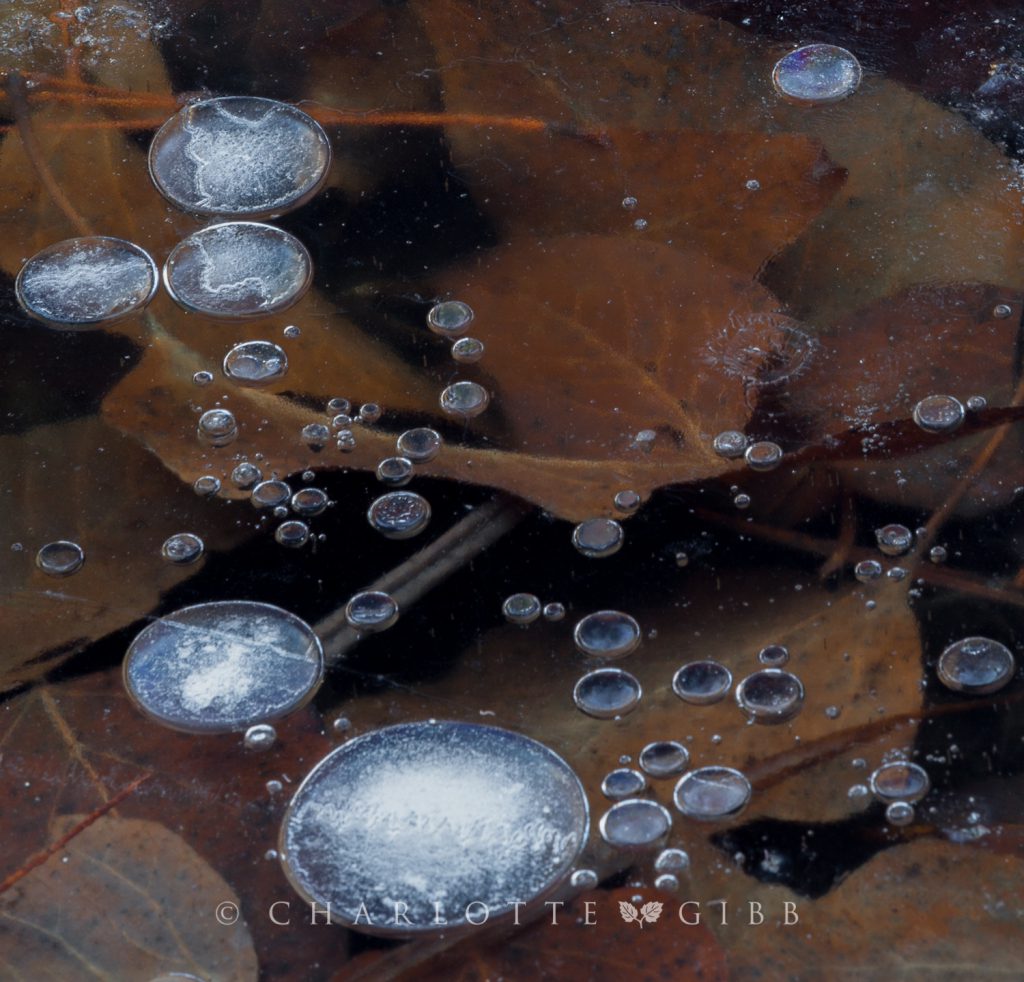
(42, 857)
(433, 564)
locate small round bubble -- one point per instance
(245, 475)
(217, 427)
(338, 405)
(606, 693)
(899, 813)
(627, 502)
(419, 445)
(346, 441)
(315, 435)
(399, 514)
(817, 74)
(939, 414)
(371, 611)
(291, 331)
(206, 486)
(623, 782)
(262, 736)
(61, 558)
(773, 655)
(1002, 311)
(464, 399)
(255, 363)
(182, 549)
(369, 412)
(309, 502)
(554, 611)
(467, 351)
(702, 682)
(672, 861)
(270, 494)
(635, 822)
(900, 781)
(202, 378)
(293, 534)
(867, 570)
(450, 318)
(664, 758)
(976, 403)
(976, 666)
(894, 540)
(584, 879)
(597, 538)
(763, 456)
(770, 696)
(711, 794)
(395, 471)
(730, 444)
(666, 882)
(607, 634)
(521, 608)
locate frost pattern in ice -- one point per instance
(87, 281)
(239, 155)
(408, 826)
(238, 269)
(222, 667)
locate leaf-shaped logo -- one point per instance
(650, 912)
(628, 912)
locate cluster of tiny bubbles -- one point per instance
(712, 793)
(291, 331)
(338, 405)
(346, 441)
(293, 534)
(667, 882)
(182, 548)
(584, 879)
(976, 666)
(399, 514)
(255, 363)
(371, 611)
(606, 634)
(867, 570)
(61, 558)
(467, 351)
(395, 472)
(1002, 310)
(771, 695)
(309, 501)
(627, 501)
(976, 403)
(419, 445)
(938, 554)
(899, 780)
(202, 378)
(623, 782)
(730, 444)
(246, 475)
(315, 435)
(239, 155)
(450, 318)
(222, 667)
(464, 399)
(816, 74)
(238, 270)
(521, 608)
(554, 611)
(894, 540)
(644, 440)
(606, 693)
(664, 758)
(217, 427)
(671, 861)
(369, 412)
(763, 455)
(939, 414)
(773, 655)
(702, 683)
(206, 486)
(899, 813)
(742, 501)
(262, 736)
(84, 282)
(635, 822)
(597, 538)
(270, 494)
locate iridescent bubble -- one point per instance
(223, 667)
(478, 816)
(710, 794)
(450, 318)
(396, 472)
(182, 549)
(419, 445)
(85, 282)
(293, 534)
(465, 399)
(939, 414)
(894, 540)
(730, 444)
(245, 475)
(399, 514)
(597, 538)
(521, 608)
(672, 861)
(206, 486)
(664, 758)
(817, 74)
(238, 269)
(468, 351)
(900, 813)
(770, 696)
(976, 666)
(270, 494)
(262, 736)
(867, 570)
(239, 155)
(702, 682)
(607, 634)
(217, 427)
(763, 456)
(635, 822)
(309, 502)
(622, 783)
(371, 611)
(60, 558)
(900, 780)
(607, 692)
(255, 363)
(774, 655)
